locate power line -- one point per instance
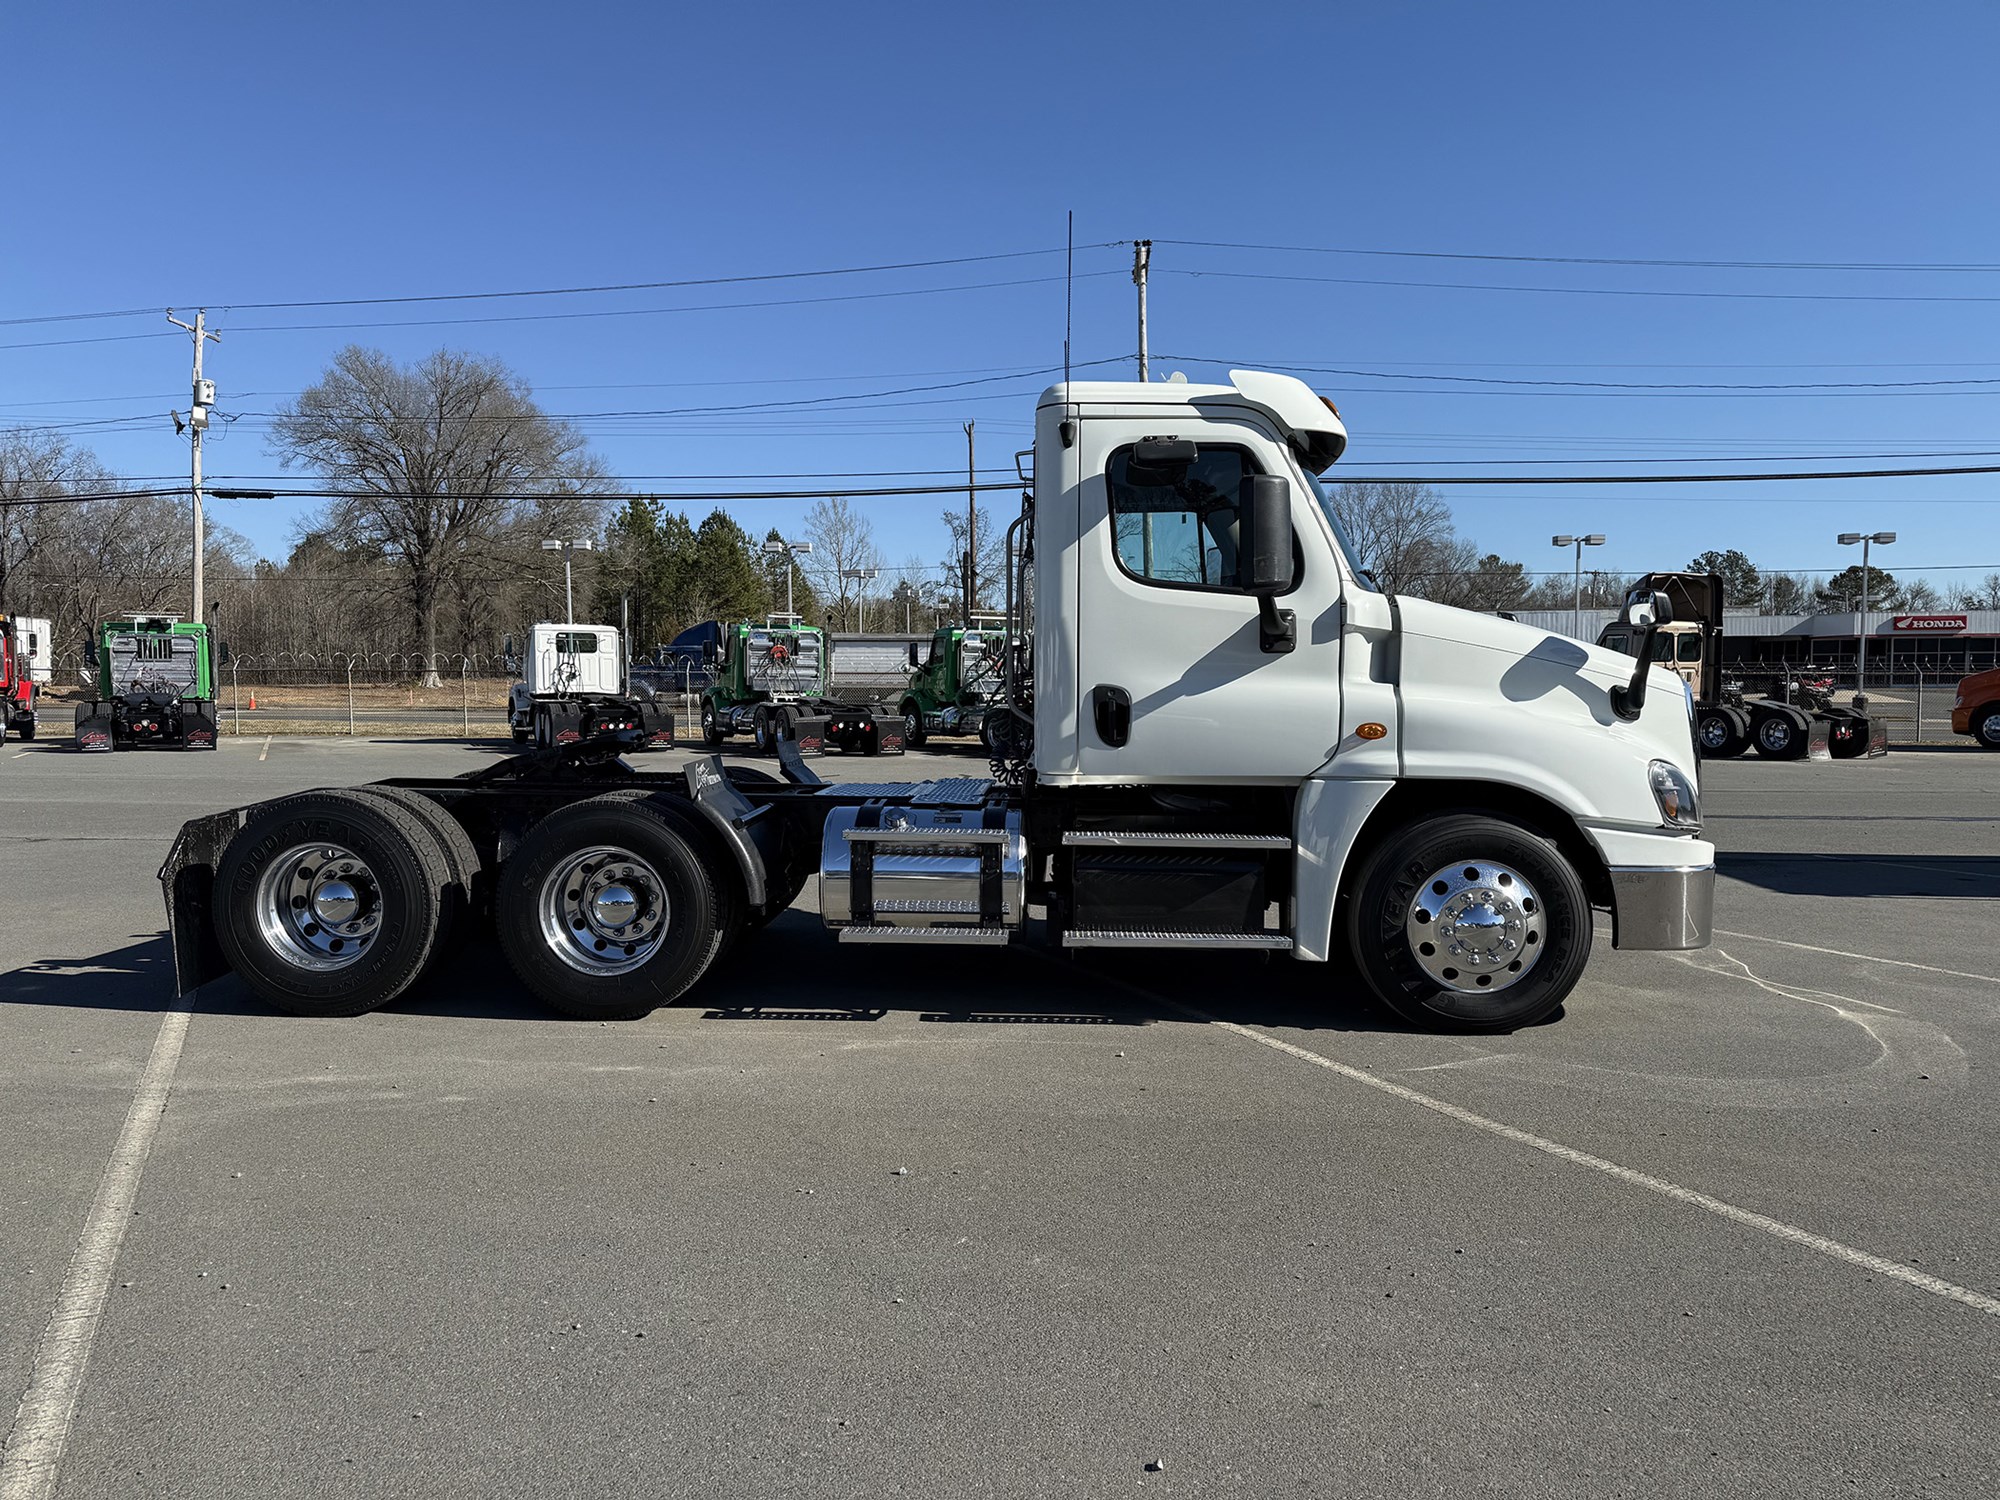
(1584, 291)
(575, 291)
(1598, 260)
(1623, 385)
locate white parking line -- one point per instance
(32, 1457)
(1749, 1219)
(265, 753)
(1900, 963)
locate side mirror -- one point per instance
(1655, 609)
(90, 653)
(507, 646)
(225, 653)
(1264, 556)
(1649, 614)
(709, 653)
(914, 657)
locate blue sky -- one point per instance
(269, 154)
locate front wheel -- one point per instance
(28, 731)
(1986, 729)
(913, 725)
(711, 727)
(1460, 922)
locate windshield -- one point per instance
(1340, 537)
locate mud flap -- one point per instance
(93, 726)
(1878, 738)
(657, 724)
(199, 726)
(187, 881)
(808, 735)
(888, 734)
(1819, 740)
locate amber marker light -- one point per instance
(1371, 731)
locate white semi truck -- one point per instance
(1226, 738)
(574, 686)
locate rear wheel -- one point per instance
(1461, 922)
(1721, 735)
(607, 909)
(330, 903)
(760, 731)
(1779, 734)
(461, 861)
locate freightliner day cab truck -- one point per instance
(1228, 739)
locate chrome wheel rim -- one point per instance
(319, 907)
(604, 911)
(1476, 927)
(1989, 729)
(1774, 734)
(1714, 733)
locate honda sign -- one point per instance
(1927, 624)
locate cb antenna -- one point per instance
(1069, 283)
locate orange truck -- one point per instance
(1976, 708)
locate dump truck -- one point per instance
(1234, 742)
(154, 686)
(769, 682)
(951, 684)
(575, 687)
(17, 677)
(1797, 719)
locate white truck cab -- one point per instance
(1223, 736)
(574, 686)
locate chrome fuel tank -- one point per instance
(923, 867)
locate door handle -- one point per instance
(1111, 709)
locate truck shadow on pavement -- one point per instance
(1946, 877)
(793, 970)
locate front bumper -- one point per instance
(1662, 906)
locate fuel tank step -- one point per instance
(1099, 937)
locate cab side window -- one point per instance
(1179, 528)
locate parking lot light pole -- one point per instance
(583, 544)
(859, 575)
(1596, 539)
(1880, 539)
(774, 547)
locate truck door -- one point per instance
(1173, 681)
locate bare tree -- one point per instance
(1403, 532)
(843, 544)
(434, 461)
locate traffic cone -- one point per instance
(253, 700)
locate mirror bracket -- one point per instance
(1277, 629)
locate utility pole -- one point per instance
(971, 527)
(197, 424)
(1595, 539)
(1142, 259)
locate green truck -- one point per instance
(770, 682)
(951, 686)
(155, 685)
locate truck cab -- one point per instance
(951, 682)
(1225, 737)
(17, 675)
(574, 687)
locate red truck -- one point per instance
(17, 683)
(1976, 708)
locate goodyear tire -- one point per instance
(1461, 922)
(608, 908)
(330, 903)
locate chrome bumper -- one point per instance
(1663, 907)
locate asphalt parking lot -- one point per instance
(914, 1225)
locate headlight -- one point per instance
(1679, 806)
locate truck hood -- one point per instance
(1533, 708)
(1555, 653)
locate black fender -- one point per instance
(733, 817)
